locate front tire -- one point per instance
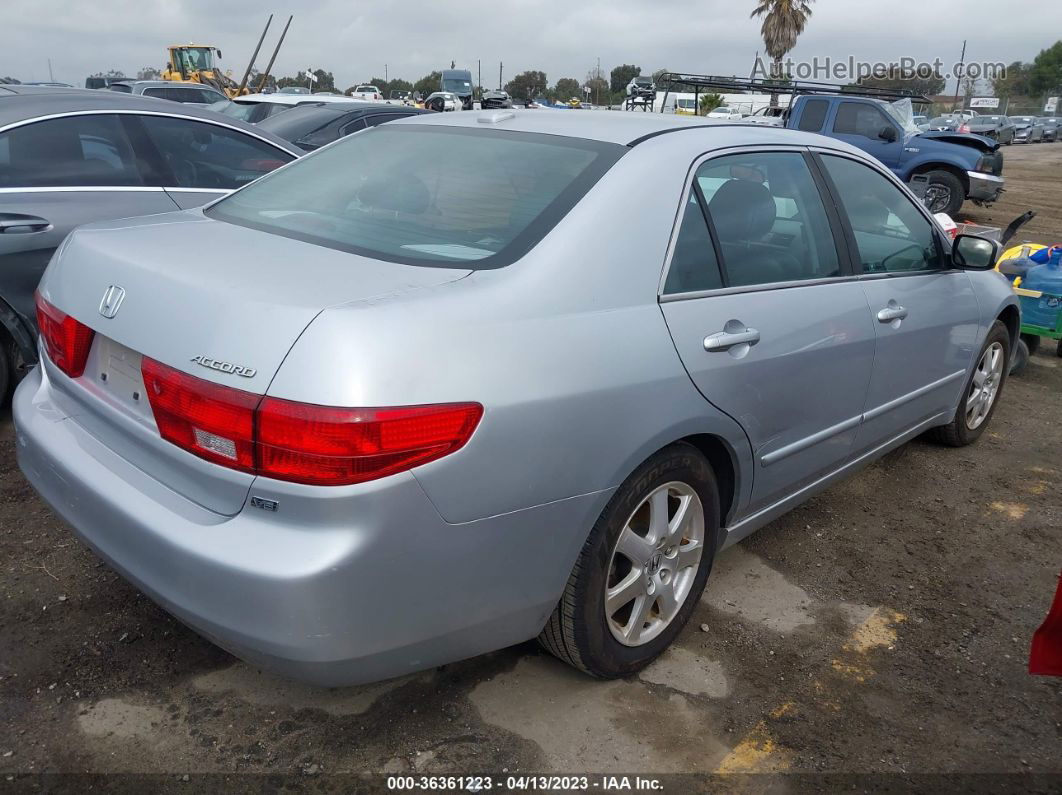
(945, 192)
(642, 569)
(982, 392)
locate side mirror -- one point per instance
(975, 253)
(887, 133)
(219, 54)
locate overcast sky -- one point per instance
(564, 38)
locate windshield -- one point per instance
(194, 59)
(457, 86)
(684, 103)
(237, 110)
(1021, 119)
(366, 89)
(404, 194)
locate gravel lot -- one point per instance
(882, 628)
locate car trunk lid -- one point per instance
(221, 302)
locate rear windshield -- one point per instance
(425, 194)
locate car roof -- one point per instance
(295, 99)
(629, 129)
(25, 106)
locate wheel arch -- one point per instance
(951, 168)
(722, 460)
(14, 328)
(1010, 316)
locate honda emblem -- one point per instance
(112, 301)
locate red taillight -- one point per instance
(301, 442)
(66, 341)
(214, 422)
(329, 446)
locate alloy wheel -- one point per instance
(937, 197)
(986, 380)
(654, 563)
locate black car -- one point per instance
(72, 156)
(1051, 124)
(999, 127)
(312, 126)
(495, 98)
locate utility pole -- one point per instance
(386, 79)
(51, 76)
(500, 75)
(958, 77)
(479, 76)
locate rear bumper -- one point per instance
(359, 584)
(984, 187)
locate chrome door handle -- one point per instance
(724, 340)
(12, 224)
(891, 313)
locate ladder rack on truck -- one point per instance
(794, 88)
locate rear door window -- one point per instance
(73, 151)
(405, 193)
(813, 115)
(768, 217)
(202, 155)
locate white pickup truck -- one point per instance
(367, 92)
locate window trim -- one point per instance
(943, 249)
(844, 260)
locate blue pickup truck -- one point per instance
(958, 166)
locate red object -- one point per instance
(301, 442)
(1045, 657)
(964, 128)
(65, 339)
(212, 421)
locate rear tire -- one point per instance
(7, 368)
(987, 379)
(1032, 341)
(662, 591)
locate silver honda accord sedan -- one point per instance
(380, 410)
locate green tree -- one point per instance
(527, 85)
(622, 75)
(428, 84)
(658, 76)
(897, 79)
(566, 88)
(149, 73)
(599, 89)
(10, 81)
(709, 102)
(1014, 82)
(1045, 75)
(783, 22)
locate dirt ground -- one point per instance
(883, 628)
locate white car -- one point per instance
(442, 100)
(723, 112)
(367, 92)
(255, 107)
(769, 116)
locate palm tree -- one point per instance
(783, 22)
